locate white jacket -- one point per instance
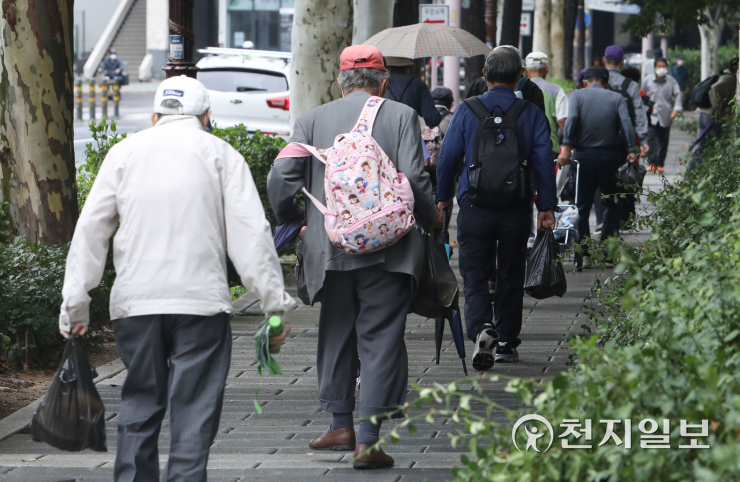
(180, 195)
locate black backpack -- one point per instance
(498, 176)
(630, 105)
(700, 94)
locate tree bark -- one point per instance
(36, 115)
(321, 30)
(512, 18)
(711, 34)
(473, 20)
(371, 17)
(491, 13)
(570, 13)
(541, 33)
(557, 38)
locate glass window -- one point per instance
(238, 80)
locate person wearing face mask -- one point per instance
(681, 74)
(113, 67)
(176, 197)
(665, 92)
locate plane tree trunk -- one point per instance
(36, 116)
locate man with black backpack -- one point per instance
(500, 141)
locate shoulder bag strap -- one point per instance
(517, 108)
(294, 149)
(477, 106)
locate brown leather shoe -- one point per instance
(342, 440)
(376, 459)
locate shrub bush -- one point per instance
(666, 347)
(692, 60)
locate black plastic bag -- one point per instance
(437, 293)
(631, 175)
(545, 275)
(71, 416)
(300, 275)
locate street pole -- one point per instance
(182, 40)
(452, 64)
(581, 36)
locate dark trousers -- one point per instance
(479, 231)
(363, 321)
(180, 361)
(658, 140)
(598, 172)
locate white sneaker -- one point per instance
(587, 262)
(484, 346)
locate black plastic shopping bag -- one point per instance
(437, 293)
(71, 415)
(545, 273)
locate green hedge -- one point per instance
(664, 346)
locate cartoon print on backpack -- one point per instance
(337, 191)
(361, 241)
(366, 169)
(354, 201)
(390, 197)
(376, 191)
(361, 185)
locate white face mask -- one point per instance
(662, 72)
(113, 56)
(679, 62)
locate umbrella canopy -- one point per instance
(285, 233)
(426, 40)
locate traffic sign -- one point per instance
(527, 5)
(438, 14)
(525, 26)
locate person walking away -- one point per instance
(666, 94)
(410, 91)
(629, 89)
(556, 102)
(599, 129)
(364, 297)
(721, 94)
(170, 303)
(485, 233)
(681, 74)
(433, 136)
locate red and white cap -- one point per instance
(361, 57)
(181, 95)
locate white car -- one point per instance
(248, 87)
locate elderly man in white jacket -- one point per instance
(179, 197)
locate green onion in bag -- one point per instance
(272, 326)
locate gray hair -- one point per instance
(503, 64)
(354, 79)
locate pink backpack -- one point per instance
(369, 205)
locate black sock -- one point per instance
(341, 420)
(369, 433)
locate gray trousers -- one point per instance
(363, 320)
(180, 361)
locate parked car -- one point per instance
(248, 87)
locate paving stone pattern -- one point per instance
(273, 446)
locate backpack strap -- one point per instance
(295, 149)
(367, 116)
(517, 108)
(625, 84)
(477, 106)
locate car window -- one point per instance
(230, 80)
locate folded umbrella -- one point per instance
(285, 233)
(426, 40)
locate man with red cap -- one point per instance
(364, 297)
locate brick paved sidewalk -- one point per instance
(273, 446)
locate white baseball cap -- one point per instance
(537, 60)
(181, 95)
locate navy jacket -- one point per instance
(415, 94)
(534, 138)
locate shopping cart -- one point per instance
(566, 221)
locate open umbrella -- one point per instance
(427, 40)
(455, 321)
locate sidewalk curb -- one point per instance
(20, 420)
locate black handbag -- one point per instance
(437, 293)
(300, 275)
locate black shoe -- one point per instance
(505, 353)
